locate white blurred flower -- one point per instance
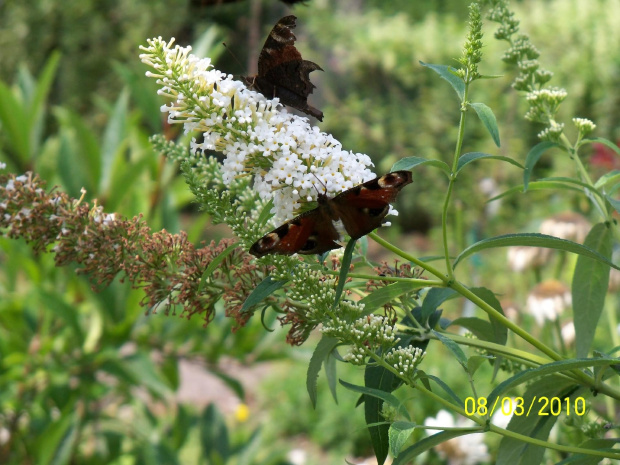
(290, 160)
(567, 225)
(504, 411)
(462, 450)
(521, 258)
(568, 333)
(297, 456)
(548, 300)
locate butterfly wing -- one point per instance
(282, 72)
(362, 208)
(309, 233)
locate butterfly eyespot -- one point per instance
(390, 180)
(269, 240)
(376, 212)
(310, 244)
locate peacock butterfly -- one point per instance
(358, 210)
(281, 71)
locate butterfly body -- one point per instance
(282, 72)
(357, 212)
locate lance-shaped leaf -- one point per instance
(488, 119)
(447, 73)
(411, 162)
(532, 158)
(589, 287)
(473, 156)
(266, 287)
(534, 240)
(322, 351)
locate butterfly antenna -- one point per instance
(321, 183)
(233, 55)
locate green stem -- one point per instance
(583, 173)
(465, 292)
(395, 279)
(455, 161)
(483, 421)
(516, 355)
(407, 256)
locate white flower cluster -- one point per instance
(544, 104)
(552, 94)
(366, 333)
(552, 133)
(584, 125)
(290, 160)
(405, 360)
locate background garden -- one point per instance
(91, 376)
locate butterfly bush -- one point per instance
(291, 161)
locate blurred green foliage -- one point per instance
(76, 366)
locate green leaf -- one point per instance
(536, 186)
(409, 163)
(15, 125)
(54, 302)
(170, 371)
(598, 444)
(488, 119)
(548, 369)
(532, 158)
(378, 379)
(500, 332)
(603, 141)
(473, 156)
(265, 213)
(577, 182)
(125, 176)
(321, 352)
(457, 400)
(330, 373)
(214, 436)
(378, 393)
(515, 452)
(589, 287)
(344, 271)
(69, 166)
(266, 287)
(233, 383)
(143, 368)
(478, 327)
(214, 264)
(386, 294)
(434, 298)
(609, 177)
(57, 442)
(113, 137)
(452, 347)
(446, 72)
(533, 240)
(37, 110)
(399, 433)
(86, 143)
(406, 457)
(251, 448)
(613, 202)
(475, 361)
